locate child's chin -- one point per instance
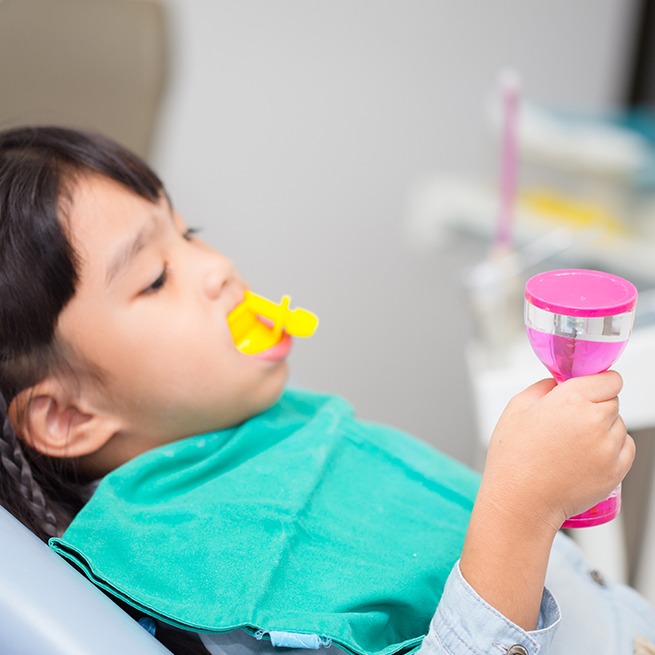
(276, 389)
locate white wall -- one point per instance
(294, 130)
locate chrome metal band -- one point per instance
(597, 328)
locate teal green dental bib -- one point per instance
(302, 520)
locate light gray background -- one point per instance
(293, 131)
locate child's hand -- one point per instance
(558, 450)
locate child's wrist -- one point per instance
(524, 515)
(506, 553)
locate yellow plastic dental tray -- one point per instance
(253, 335)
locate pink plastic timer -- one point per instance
(578, 323)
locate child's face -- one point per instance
(150, 312)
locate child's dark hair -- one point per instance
(39, 167)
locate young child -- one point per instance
(117, 365)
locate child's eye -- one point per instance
(158, 283)
(189, 232)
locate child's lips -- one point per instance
(278, 352)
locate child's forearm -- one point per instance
(505, 558)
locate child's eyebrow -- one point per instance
(126, 254)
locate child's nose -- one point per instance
(217, 273)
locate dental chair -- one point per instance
(48, 607)
(98, 65)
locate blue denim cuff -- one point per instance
(465, 623)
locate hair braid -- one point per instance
(31, 506)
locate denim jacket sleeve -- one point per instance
(464, 623)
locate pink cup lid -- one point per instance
(581, 292)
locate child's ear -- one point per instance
(56, 424)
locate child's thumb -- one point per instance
(533, 393)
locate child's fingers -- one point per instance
(600, 387)
(595, 388)
(625, 445)
(609, 409)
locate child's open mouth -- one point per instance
(263, 328)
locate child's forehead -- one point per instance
(99, 202)
(93, 188)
